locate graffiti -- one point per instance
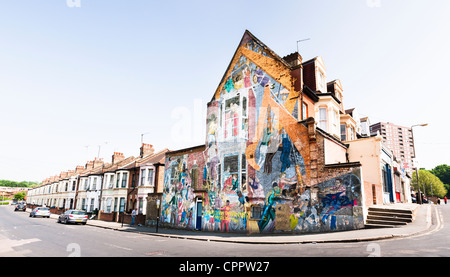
(253, 168)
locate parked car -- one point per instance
(73, 216)
(20, 207)
(40, 211)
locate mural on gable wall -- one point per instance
(252, 177)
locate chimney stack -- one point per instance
(98, 162)
(294, 59)
(117, 157)
(79, 168)
(90, 165)
(146, 149)
(63, 175)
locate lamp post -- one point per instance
(158, 205)
(419, 198)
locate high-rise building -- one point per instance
(399, 139)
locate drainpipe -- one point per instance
(101, 192)
(76, 192)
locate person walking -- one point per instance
(133, 216)
(445, 199)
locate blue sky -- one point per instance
(106, 72)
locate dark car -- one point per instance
(20, 207)
(73, 216)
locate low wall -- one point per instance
(140, 219)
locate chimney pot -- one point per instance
(117, 157)
(146, 149)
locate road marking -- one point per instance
(113, 245)
(439, 223)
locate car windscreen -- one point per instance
(44, 209)
(78, 212)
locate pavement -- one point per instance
(422, 223)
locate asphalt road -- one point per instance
(22, 236)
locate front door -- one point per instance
(198, 219)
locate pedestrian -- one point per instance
(133, 216)
(445, 199)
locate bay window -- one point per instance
(323, 120)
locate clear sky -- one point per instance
(101, 74)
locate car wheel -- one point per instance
(58, 221)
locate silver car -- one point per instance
(73, 216)
(40, 211)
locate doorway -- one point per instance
(198, 217)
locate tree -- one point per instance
(443, 173)
(20, 196)
(432, 185)
(8, 183)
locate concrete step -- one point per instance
(389, 210)
(388, 218)
(374, 226)
(385, 222)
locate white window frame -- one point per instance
(323, 122)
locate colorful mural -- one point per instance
(253, 175)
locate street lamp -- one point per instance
(419, 198)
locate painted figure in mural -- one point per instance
(265, 140)
(238, 80)
(274, 144)
(247, 82)
(241, 197)
(235, 183)
(243, 183)
(212, 127)
(173, 205)
(231, 184)
(213, 167)
(287, 184)
(229, 85)
(269, 211)
(216, 218)
(313, 217)
(286, 150)
(256, 188)
(294, 217)
(226, 218)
